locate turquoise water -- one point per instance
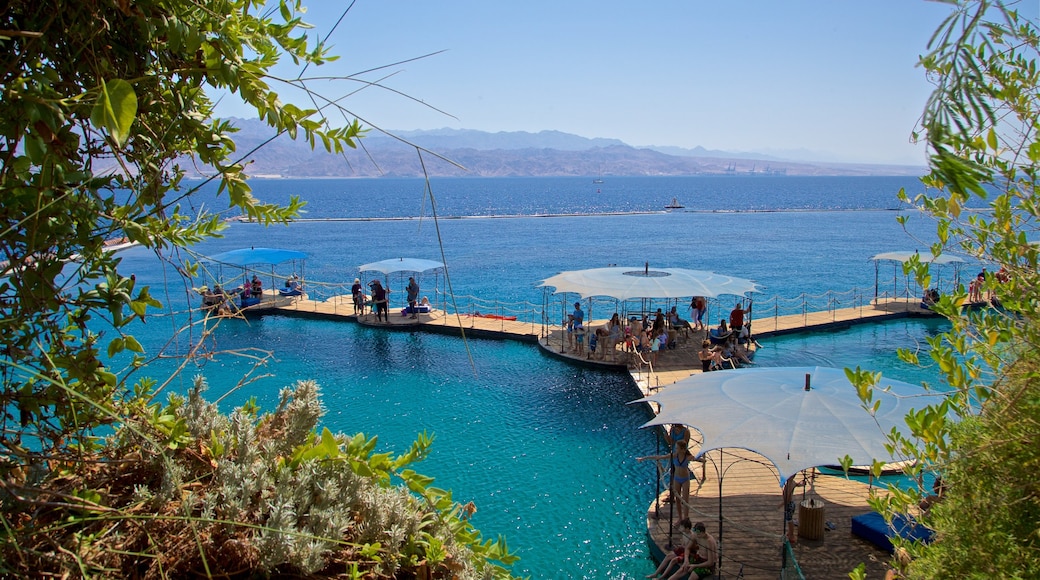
(544, 450)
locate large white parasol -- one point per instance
(401, 265)
(772, 412)
(645, 282)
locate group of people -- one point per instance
(253, 288)
(293, 285)
(648, 336)
(217, 300)
(221, 301)
(976, 285)
(695, 558)
(379, 298)
(731, 351)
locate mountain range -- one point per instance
(460, 153)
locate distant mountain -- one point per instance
(469, 139)
(456, 152)
(715, 153)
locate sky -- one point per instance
(821, 80)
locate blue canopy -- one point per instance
(257, 257)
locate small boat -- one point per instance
(597, 181)
(675, 204)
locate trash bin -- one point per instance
(811, 519)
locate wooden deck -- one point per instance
(750, 528)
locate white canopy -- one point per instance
(401, 265)
(926, 258)
(644, 282)
(769, 411)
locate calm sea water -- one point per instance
(545, 450)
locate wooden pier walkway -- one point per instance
(750, 528)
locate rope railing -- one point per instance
(552, 313)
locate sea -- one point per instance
(545, 450)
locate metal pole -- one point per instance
(718, 564)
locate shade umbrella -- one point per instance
(628, 283)
(257, 257)
(401, 265)
(769, 411)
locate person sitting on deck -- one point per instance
(257, 286)
(675, 557)
(678, 323)
(658, 325)
(710, 358)
(702, 562)
(734, 350)
(209, 298)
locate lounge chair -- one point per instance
(717, 337)
(872, 527)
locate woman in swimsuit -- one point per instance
(681, 475)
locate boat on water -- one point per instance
(675, 204)
(597, 181)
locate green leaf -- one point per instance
(115, 109)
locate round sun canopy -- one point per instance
(401, 265)
(797, 417)
(631, 283)
(927, 258)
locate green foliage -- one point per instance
(247, 493)
(101, 102)
(982, 126)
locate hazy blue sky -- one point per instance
(837, 78)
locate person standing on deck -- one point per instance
(380, 300)
(697, 308)
(575, 320)
(413, 295)
(679, 486)
(358, 294)
(736, 318)
(789, 505)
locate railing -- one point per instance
(552, 313)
